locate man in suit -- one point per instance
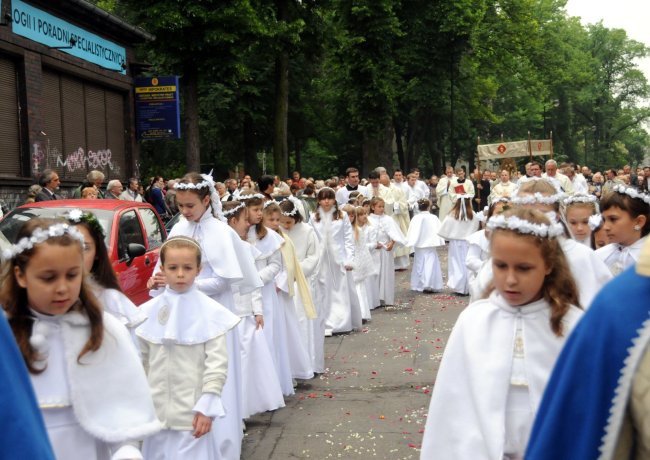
(49, 181)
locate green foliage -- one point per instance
(429, 76)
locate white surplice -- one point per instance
(618, 258)
(467, 415)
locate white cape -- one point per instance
(467, 412)
(423, 231)
(589, 272)
(453, 229)
(187, 318)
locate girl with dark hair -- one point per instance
(80, 359)
(98, 266)
(336, 259)
(226, 263)
(626, 215)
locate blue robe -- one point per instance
(22, 431)
(585, 400)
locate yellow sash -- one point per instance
(294, 273)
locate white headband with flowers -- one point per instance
(523, 226)
(632, 192)
(40, 235)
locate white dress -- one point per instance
(372, 277)
(299, 359)
(86, 411)
(364, 269)
(456, 231)
(589, 272)
(226, 263)
(261, 389)
(473, 412)
(387, 230)
(478, 253)
(307, 248)
(337, 251)
(121, 307)
(269, 264)
(423, 237)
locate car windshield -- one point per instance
(11, 224)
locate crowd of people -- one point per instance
(257, 274)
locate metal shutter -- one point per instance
(52, 141)
(9, 128)
(115, 129)
(74, 127)
(96, 129)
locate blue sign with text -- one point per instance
(157, 108)
(51, 31)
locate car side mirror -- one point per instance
(135, 250)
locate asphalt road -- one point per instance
(373, 399)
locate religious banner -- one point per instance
(515, 149)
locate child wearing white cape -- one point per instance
(184, 353)
(423, 237)
(460, 223)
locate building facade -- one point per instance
(66, 94)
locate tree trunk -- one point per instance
(298, 153)
(191, 105)
(399, 137)
(251, 165)
(280, 135)
(377, 149)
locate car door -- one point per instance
(155, 236)
(132, 268)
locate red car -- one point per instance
(134, 234)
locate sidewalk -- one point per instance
(373, 399)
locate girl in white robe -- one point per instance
(460, 223)
(336, 259)
(426, 275)
(364, 266)
(184, 353)
(269, 264)
(388, 235)
(97, 264)
(285, 283)
(502, 349)
(261, 389)
(626, 215)
(307, 251)
(80, 359)
(227, 263)
(372, 273)
(580, 214)
(359, 298)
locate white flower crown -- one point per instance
(40, 235)
(500, 199)
(523, 226)
(292, 213)
(191, 186)
(248, 197)
(231, 212)
(594, 221)
(580, 198)
(267, 204)
(632, 192)
(537, 198)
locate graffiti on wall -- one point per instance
(45, 157)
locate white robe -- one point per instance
(307, 248)
(444, 199)
(337, 251)
(86, 411)
(423, 237)
(364, 270)
(467, 415)
(456, 231)
(398, 208)
(269, 264)
(386, 231)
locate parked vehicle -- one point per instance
(134, 234)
